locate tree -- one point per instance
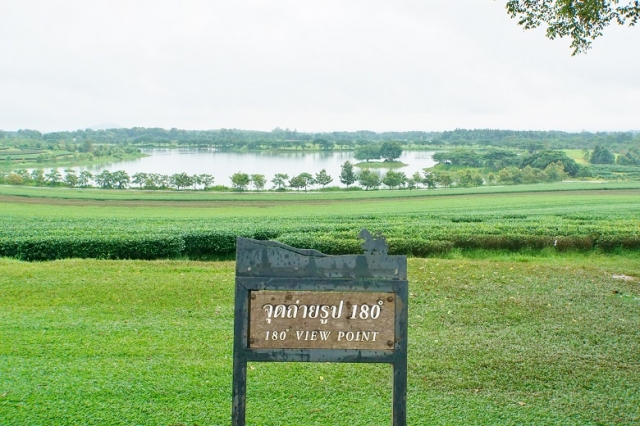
(554, 172)
(497, 159)
(469, 178)
(155, 181)
(139, 178)
(324, 144)
(205, 180)
(181, 180)
(390, 150)
(258, 181)
(411, 183)
(491, 178)
(296, 182)
(630, 158)
(347, 175)
(37, 176)
(510, 175)
(542, 159)
(322, 178)
(280, 180)
(602, 155)
(26, 176)
(581, 20)
(104, 179)
(367, 152)
(87, 146)
(120, 179)
(531, 175)
(240, 181)
(393, 179)
(84, 178)
(368, 179)
(459, 157)
(302, 181)
(15, 179)
(417, 180)
(70, 177)
(429, 179)
(53, 177)
(443, 178)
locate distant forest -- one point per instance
(292, 139)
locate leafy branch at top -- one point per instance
(581, 20)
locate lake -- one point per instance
(222, 165)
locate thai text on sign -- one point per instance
(321, 320)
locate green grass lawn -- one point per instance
(577, 155)
(296, 196)
(499, 339)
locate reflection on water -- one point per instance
(222, 165)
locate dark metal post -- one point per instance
(400, 358)
(239, 399)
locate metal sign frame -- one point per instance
(260, 266)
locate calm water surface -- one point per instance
(222, 165)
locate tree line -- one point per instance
(365, 179)
(292, 139)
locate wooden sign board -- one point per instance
(300, 305)
(321, 320)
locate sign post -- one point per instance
(300, 305)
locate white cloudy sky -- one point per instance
(312, 65)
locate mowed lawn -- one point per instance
(505, 339)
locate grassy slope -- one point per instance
(291, 205)
(145, 195)
(31, 163)
(513, 340)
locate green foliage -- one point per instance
(368, 179)
(322, 178)
(280, 180)
(324, 144)
(54, 177)
(585, 220)
(442, 178)
(84, 178)
(367, 152)
(459, 157)
(120, 179)
(303, 180)
(390, 150)
(70, 178)
(347, 175)
(601, 155)
(469, 178)
(104, 179)
(15, 179)
(181, 180)
(542, 159)
(581, 21)
(394, 179)
(240, 181)
(258, 181)
(139, 179)
(629, 158)
(206, 180)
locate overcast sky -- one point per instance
(308, 65)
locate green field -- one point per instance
(509, 340)
(525, 310)
(45, 224)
